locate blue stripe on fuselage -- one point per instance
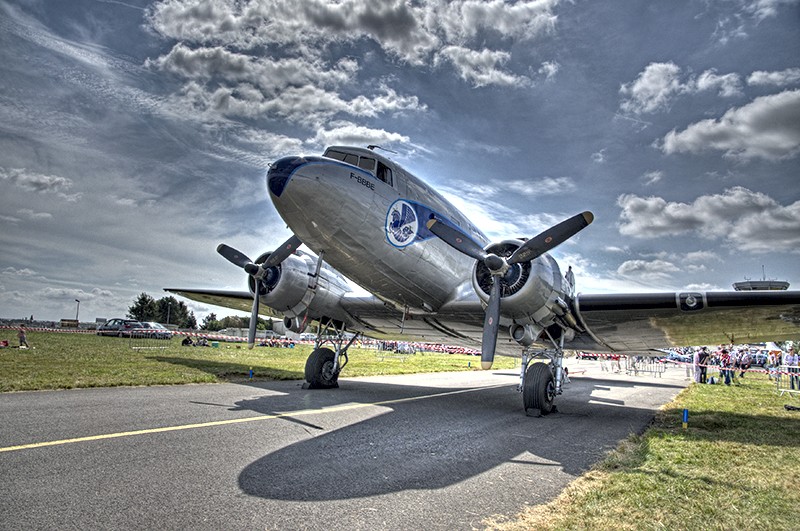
(281, 172)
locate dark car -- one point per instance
(759, 358)
(119, 327)
(156, 330)
(678, 357)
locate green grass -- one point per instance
(65, 361)
(736, 467)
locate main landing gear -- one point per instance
(324, 364)
(540, 382)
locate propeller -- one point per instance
(498, 266)
(258, 272)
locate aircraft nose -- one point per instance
(281, 171)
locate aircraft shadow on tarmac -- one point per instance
(438, 442)
(431, 443)
(223, 369)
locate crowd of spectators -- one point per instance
(734, 362)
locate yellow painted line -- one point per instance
(319, 411)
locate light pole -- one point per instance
(169, 307)
(77, 310)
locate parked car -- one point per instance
(758, 357)
(156, 330)
(119, 327)
(678, 357)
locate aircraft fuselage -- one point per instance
(367, 215)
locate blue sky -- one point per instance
(134, 135)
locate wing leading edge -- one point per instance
(236, 300)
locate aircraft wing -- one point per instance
(644, 322)
(633, 323)
(236, 300)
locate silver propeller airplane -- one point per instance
(435, 277)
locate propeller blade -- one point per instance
(251, 333)
(457, 239)
(551, 237)
(491, 324)
(283, 252)
(233, 256)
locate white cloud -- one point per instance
(480, 68)
(652, 177)
(268, 74)
(542, 186)
(14, 272)
(659, 84)
(348, 133)
(549, 69)
(768, 128)
(653, 89)
(648, 271)
(747, 220)
(599, 157)
(35, 182)
(761, 9)
(727, 85)
(790, 76)
(33, 216)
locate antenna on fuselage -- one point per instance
(372, 147)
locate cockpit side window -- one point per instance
(336, 155)
(351, 159)
(366, 163)
(385, 173)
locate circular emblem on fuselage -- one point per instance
(401, 224)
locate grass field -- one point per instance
(66, 361)
(736, 467)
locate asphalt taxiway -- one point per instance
(433, 451)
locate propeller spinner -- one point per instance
(258, 272)
(498, 266)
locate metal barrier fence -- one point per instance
(787, 379)
(637, 365)
(149, 339)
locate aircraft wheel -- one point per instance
(319, 370)
(540, 388)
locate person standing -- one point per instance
(725, 366)
(703, 364)
(790, 360)
(23, 337)
(696, 362)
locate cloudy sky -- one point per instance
(135, 135)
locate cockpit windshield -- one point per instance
(375, 167)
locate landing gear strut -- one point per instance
(324, 364)
(540, 382)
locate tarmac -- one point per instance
(429, 451)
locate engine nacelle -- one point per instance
(292, 288)
(532, 294)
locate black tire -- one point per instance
(319, 370)
(540, 388)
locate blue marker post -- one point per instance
(685, 419)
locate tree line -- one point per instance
(166, 310)
(171, 311)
